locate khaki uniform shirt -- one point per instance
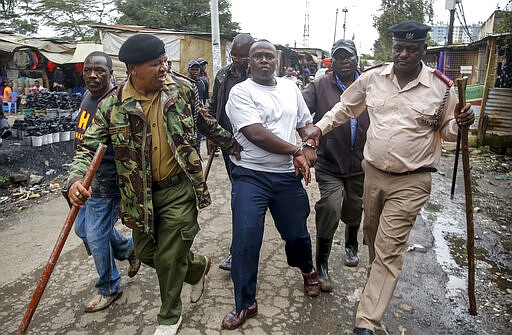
(397, 139)
(163, 163)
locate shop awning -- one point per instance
(83, 50)
(57, 58)
(9, 46)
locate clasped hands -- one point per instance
(307, 155)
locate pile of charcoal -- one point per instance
(53, 100)
(33, 127)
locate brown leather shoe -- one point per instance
(100, 302)
(233, 320)
(311, 284)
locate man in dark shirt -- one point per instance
(226, 78)
(194, 70)
(338, 170)
(95, 221)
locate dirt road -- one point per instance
(430, 298)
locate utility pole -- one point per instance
(335, 25)
(450, 5)
(216, 49)
(344, 10)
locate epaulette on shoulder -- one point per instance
(443, 77)
(374, 66)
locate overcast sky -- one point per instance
(282, 21)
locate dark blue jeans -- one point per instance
(94, 224)
(253, 192)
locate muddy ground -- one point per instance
(431, 297)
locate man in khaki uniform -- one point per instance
(411, 107)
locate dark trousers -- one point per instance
(253, 192)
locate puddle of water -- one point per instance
(448, 224)
(445, 225)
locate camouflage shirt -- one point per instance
(123, 122)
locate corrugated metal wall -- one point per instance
(498, 111)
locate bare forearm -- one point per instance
(264, 139)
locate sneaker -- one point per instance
(226, 263)
(197, 289)
(133, 266)
(100, 302)
(168, 329)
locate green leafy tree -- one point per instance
(71, 18)
(13, 18)
(175, 14)
(393, 12)
(505, 23)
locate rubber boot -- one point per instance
(323, 249)
(351, 246)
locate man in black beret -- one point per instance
(412, 107)
(152, 122)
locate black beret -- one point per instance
(141, 48)
(409, 31)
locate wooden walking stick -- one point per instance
(45, 276)
(470, 244)
(455, 165)
(209, 163)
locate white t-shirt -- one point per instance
(280, 109)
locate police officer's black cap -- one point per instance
(409, 31)
(140, 48)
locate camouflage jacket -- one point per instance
(122, 122)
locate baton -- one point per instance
(70, 219)
(470, 244)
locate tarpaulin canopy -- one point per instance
(112, 41)
(83, 50)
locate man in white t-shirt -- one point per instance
(265, 113)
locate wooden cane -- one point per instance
(209, 163)
(470, 244)
(455, 165)
(70, 219)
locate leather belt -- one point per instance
(418, 170)
(168, 182)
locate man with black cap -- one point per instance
(194, 71)
(338, 169)
(152, 122)
(203, 74)
(411, 108)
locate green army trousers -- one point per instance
(168, 250)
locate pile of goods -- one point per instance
(38, 129)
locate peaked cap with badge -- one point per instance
(409, 31)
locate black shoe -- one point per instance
(351, 258)
(363, 331)
(5, 133)
(133, 265)
(226, 264)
